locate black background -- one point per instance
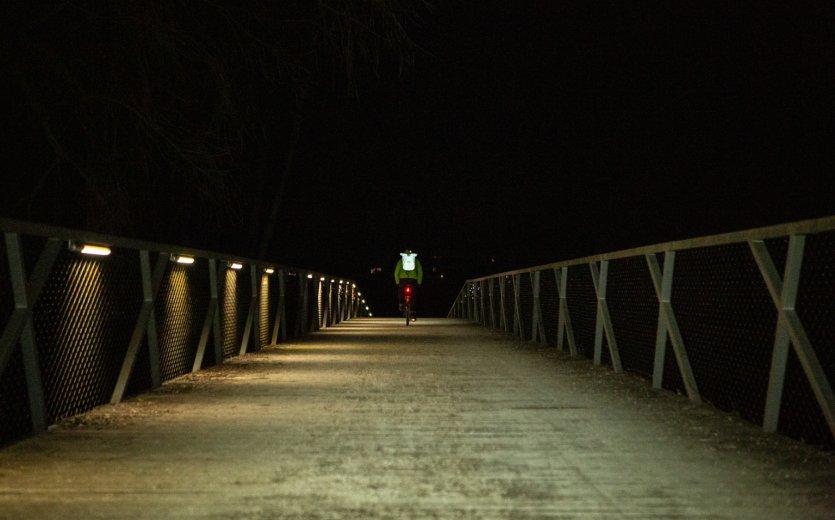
(522, 133)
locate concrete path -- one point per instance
(441, 420)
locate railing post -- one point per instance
(490, 284)
(251, 325)
(330, 304)
(537, 325)
(24, 296)
(517, 312)
(470, 302)
(311, 306)
(281, 316)
(150, 287)
(790, 331)
(604, 320)
(564, 327)
(482, 314)
(502, 291)
(210, 322)
(300, 310)
(668, 325)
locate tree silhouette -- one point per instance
(172, 119)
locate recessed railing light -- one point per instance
(236, 265)
(310, 276)
(181, 259)
(269, 270)
(90, 249)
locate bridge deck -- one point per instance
(444, 419)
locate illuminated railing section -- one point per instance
(744, 321)
(89, 318)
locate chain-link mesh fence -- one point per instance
(719, 309)
(86, 303)
(89, 309)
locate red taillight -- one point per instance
(408, 298)
(408, 289)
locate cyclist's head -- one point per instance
(407, 251)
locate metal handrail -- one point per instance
(802, 227)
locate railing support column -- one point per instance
(517, 312)
(502, 290)
(20, 324)
(668, 325)
(604, 321)
(251, 326)
(537, 327)
(144, 325)
(211, 323)
(564, 327)
(490, 285)
(790, 330)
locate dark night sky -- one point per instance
(537, 131)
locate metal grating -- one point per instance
(320, 302)
(83, 323)
(234, 308)
(264, 315)
(180, 309)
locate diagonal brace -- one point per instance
(790, 329)
(668, 325)
(604, 319)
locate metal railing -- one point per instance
(80, 330)
(731, 322)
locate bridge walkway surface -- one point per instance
(373, 419)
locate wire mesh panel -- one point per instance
(234, 309)
(321, 299)
(91, 309)
(83, 323)
(582, 304)
(180, 309)
(727, 320)
(633, 306)
(264, 311)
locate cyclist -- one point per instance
(408, 271)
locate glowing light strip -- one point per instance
(185, 260)
(88, 249)
(236, 265)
